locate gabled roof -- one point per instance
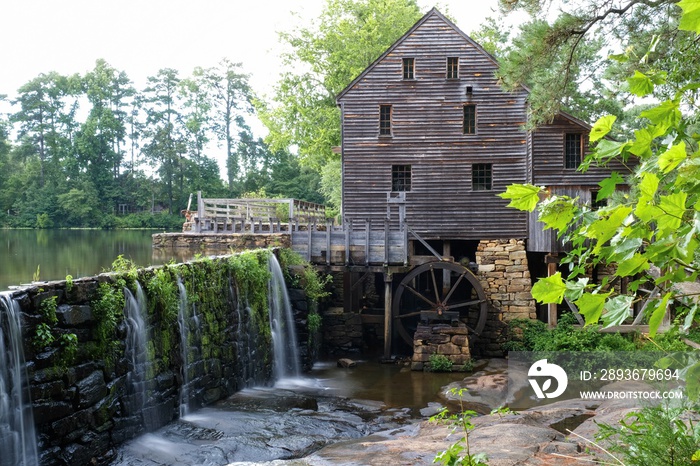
(428, 15)
(434, 12)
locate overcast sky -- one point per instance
(143, 36)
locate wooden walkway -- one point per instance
(313, 236)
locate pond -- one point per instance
(53, 254)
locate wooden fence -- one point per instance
(251, 215)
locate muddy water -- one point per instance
(292, 419)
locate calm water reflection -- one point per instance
(79, 253)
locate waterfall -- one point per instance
(284, 338)
(136, 349)
(182, 321)
(17, 435)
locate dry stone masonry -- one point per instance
(444, 339)
(504, 274)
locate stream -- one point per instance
(293, 419)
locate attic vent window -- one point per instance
(481, 177)
(469, 123)
(452, 67)
(385, 120)
(469, 92)
(400, 178)
(573, 148)
(408, 68)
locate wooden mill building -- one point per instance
(429, 138)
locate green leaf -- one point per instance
(640, 84)
(666, 113)
(603, 229)
(641, 147)
(607, 186)
(672, 210)
(557, 213)
(672, 157)
(574, 290)
(632, 266)
(622, 249)
(607, 149)
(549, 290)
(649, 185)
(522, 196)
(591, 306)
(690, 21)
(658, 314)
(617, 310)
(602, 127)
(696, 455)
(692, 382)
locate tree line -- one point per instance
(91, 150)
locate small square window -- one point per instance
(408, 68)
(469, 124)
(481, 177)
(452, 67)
(400, 178)
(573, 145)
(385, 120)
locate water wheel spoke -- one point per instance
(465, 304)
(410, 314)
(454, 287)
(435, 287)
(471, 330)
(420, 295)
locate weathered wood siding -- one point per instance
(427, 118)
(548, 157)
(541, 240)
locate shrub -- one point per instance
(440, 363)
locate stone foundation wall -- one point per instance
(451, 342)
(84, 404)
(221, 242)
(505, 277)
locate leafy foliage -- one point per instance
(458, 453)
(439, 363)
(659, 435)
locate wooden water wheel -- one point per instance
(439, 291)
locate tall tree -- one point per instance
(164, 145)
(45, 120)
(102, 136)
(230, 97)
(323, 59)
(564, 61)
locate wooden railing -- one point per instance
(251, 215)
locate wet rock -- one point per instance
(431, 410)
(91, 389)
(346, 363)
(73, 316)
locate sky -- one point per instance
(142, 36)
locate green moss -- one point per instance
(108, 310)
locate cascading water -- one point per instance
(284, 338)
(136, 344)
(17, 435)
(182, 321)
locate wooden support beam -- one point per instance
(368, 224)
(388, 278)
(329, 227)
(551, 260)
(446, 274)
